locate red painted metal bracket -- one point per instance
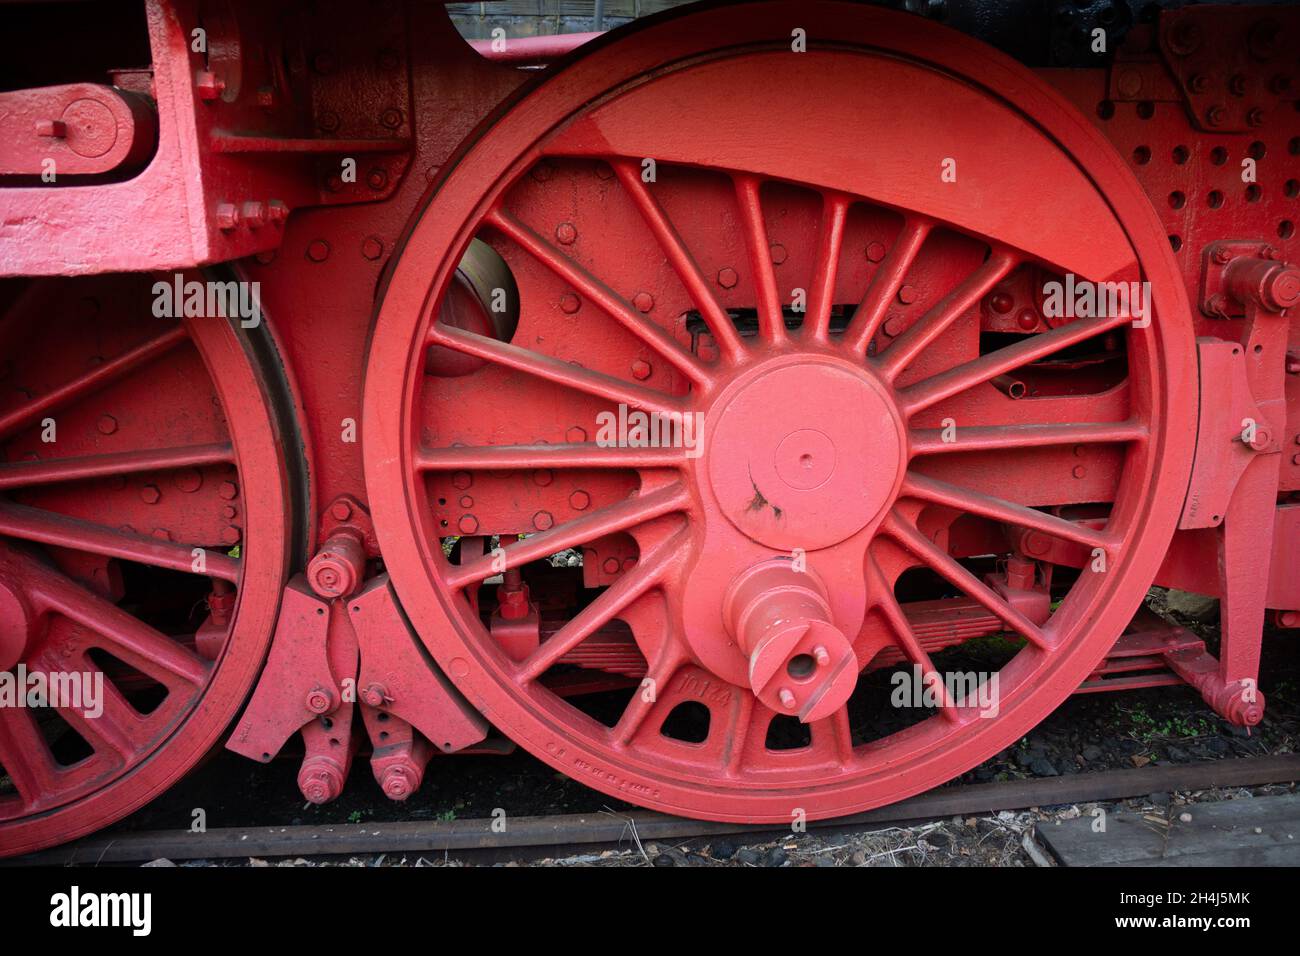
(400, 679)
(1233, 70)
(1234, 484)
(297, 685)
(242, 141)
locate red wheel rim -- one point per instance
(618, 104)
(207, 461)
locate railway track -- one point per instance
(367, 400)
(527, 833)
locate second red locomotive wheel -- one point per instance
(755, 385)
(146, 529)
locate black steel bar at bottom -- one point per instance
(612, 827)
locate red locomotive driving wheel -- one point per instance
(145, 537)
(778, 353)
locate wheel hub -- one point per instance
(792, 468)
(800, 663)
(15, 625)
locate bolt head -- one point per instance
(543, 520)
(374, 695)
(227, 216)
(641, 370)
(467, 524)
(321, 785)
(398, 783)
(570, 303)
(566, 233)
(208, 85)
(320, 700)
(581, 501)
(643, 301)
(1130, 83)
(727, 278)
(253, 213)
(150, 494)
(188, 480)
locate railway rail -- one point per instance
(528, 833)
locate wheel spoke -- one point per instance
(900, 530)
(771, 317)
(885, 283)
(648, 573)
(936, 388)
(840, 728)
(739, 725)
(25, 756)
(92, 381)
(930, 441)
(911, 647)
(999, 509)
(626, 514)
(60, 531)
(639, 708)
(121, 633)
(596, 291)
(730, 345)
(579, 455)
(25, 474)
(817, 323)
(554, 370)
(905, 349)
(111, 733)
